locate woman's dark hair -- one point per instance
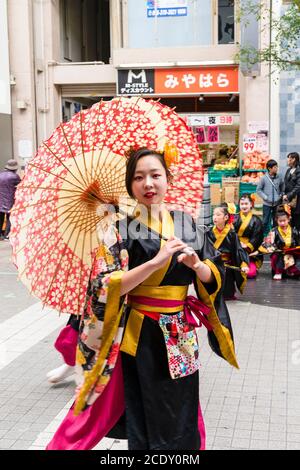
(246, 196)
(294, 155)
(133, 157)
(271, 163)
(281, 212)
(224, 208)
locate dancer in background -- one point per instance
(283, 239)
(225, 239)
(249, 229)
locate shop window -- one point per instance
(85, 30)
(65, 30)
(164, 23)
(225, 21)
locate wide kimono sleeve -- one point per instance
(257, 235)
(296, 236)
(102, 326)
(240, 259)
(221, 337)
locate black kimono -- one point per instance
(150, 423)
(155, 378)
(233, 254)
(292, 189)
(250, 231)
(285, 263)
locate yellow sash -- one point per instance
(246, 219)
(135, 321)
(220, 236)
(286, 236)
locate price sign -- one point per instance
(249, 143)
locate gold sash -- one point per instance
(286, 236)
(220, 236)
(246, 219)
(135, 321)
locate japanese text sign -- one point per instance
(200, 135)
(213, 134)
(162, 8)
(178, 81)
(196, 80)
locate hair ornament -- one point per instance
(286, 208)
(231, 208)
(171, 154)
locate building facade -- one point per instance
(6, 137)
(67, 54)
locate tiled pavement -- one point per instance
(255, 407)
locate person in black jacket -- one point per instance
(292, 187)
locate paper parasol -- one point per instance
(62, 198)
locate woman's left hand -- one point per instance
(190, 258)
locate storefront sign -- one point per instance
(178, 81)
(136, 82)
(207, 120)
(163, 8)
(196, 80)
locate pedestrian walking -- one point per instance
(292, 188)
(224, 238)
(9, 179)
(249, 229)
(156, 375)
(66, 344)
(270, 188)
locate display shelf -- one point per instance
(254, 171)
(215, 176)
(247, 187)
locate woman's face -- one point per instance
(219, 218)
(150, 183)
(283, 221)
(245, 206)
(291, 162)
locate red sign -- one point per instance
(196, 80)
(213, 134)
(200, 135)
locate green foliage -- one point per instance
(283, 50)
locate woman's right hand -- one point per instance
(172, 246)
